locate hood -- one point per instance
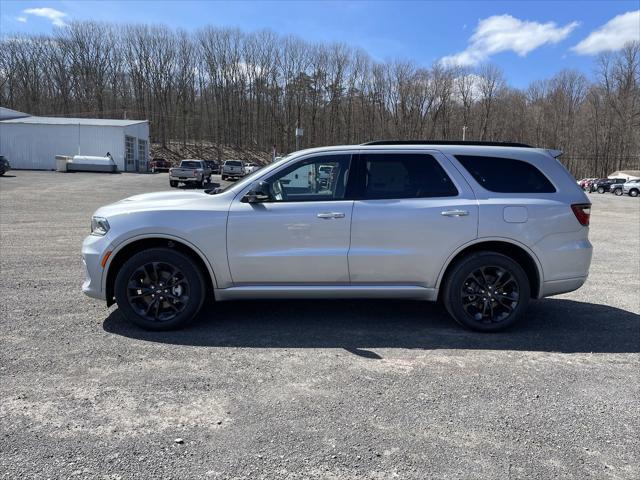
(164, 197)
(150, 201)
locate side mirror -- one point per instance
(260, 192)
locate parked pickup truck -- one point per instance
(190, 171)
(233, 169)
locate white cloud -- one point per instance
(56, 16)
(501, 33)
(22, 19)
(612, 35)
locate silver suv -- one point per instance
(631, 188)
(483, 228)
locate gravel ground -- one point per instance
(336, 389)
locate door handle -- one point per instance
(455, 213)
(328, 215)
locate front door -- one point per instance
(301, 235)
(410, 215)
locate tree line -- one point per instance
(222, 86)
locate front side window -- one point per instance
(506, 175)
(314, 179)
(404, 175)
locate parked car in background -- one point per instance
(250, 168)
(213, 166)
(631, 188)
(585, 182)
(5, 166)
(233, 169)
(605, 184)
(190, 172)
(159, 165)
(482, 228)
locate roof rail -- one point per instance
(447, 142)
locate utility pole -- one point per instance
(464, 132)
(299, 133)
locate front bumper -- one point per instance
(93, 250)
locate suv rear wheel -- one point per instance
(486, 291)
(600, 189)
(159, 289)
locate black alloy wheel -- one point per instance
(486, 291)
(159, 289)
(490, 294)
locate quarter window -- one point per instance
(314, 179)
(404, 175)
(506, 175)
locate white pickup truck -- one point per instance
(190, 171)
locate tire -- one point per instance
(173, 183)
(617, 192)
(600, 190)
(504, 313)
(224, 177)
(633, 193)
(179, 304)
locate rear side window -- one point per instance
(233, 163)
(404, 175)
(506, 175)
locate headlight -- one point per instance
(99, 226)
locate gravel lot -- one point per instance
(335, 389)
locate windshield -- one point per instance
(186, 164)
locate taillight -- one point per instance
(582, 211)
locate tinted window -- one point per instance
(404, 175)
(191, 165)
(233, 163)
(506, 175)
(318, 178)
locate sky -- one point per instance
(529, 40)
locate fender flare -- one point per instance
(130, 240)
(479, 240)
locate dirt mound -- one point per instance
(174, 152)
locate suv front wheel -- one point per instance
(159, 289)
(486, 291)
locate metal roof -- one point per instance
(104, 122)
(7, 113)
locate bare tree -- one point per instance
(222, 87)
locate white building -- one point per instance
(30, 142)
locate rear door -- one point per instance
(413, 209)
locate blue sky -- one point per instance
(529, 39)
